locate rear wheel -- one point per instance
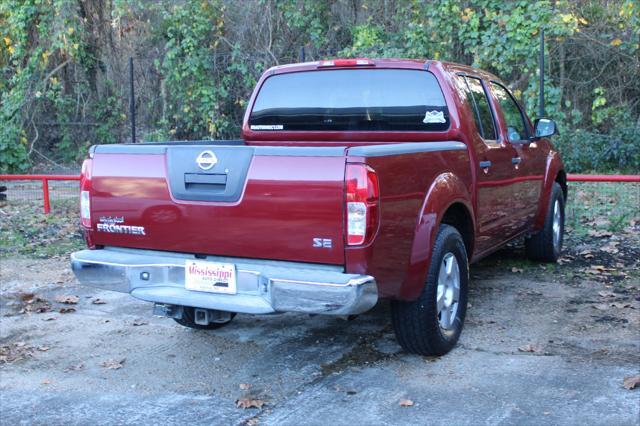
(431, 324)
(189, 320)
(546, 245)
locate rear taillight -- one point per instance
(363, 201)
(85, 194)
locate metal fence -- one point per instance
(41, 189)
(603, 204)
(608, 201)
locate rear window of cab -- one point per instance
(350, 99)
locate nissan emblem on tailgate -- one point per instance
(206, 160)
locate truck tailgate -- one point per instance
(254, 201)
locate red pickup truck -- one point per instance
(355, 180)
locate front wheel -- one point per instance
(431, 324)
(546, 245)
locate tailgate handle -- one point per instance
(205, 181)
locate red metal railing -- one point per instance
(46, 178)
(45, 184)
(603, 178)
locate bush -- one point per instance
(586, 151)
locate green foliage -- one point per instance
(192, 33)
(64, 62)
(40, 38)
(592, 151)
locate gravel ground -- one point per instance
(541, 345)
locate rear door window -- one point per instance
(479, 103)
(360, 100)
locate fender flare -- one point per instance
(553, 168)
(447, 189)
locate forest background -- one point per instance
(64, 80)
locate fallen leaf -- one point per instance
(43, 348)
(113, 364)
(597, 270)
(252, 421)
(74, 367)
(98, 302)
(631, 382)
(599, 234)
(15, 352)
(621, 305)
(66, 310)
(249, 403)
(245, 386)
(34, 303)
(46, 382)
(517, 270)
(27, 297)
(50, 319)
(609, 249)
(139, 321)
(406, 403)
(528, 348)
(68, 300)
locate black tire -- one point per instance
(542, 246)
(188, 320)
(416, 323)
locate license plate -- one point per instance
(210, 277)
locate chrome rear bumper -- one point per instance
(263, 286)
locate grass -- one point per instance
(26, 230)
(601, 205)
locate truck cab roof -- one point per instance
(398, 63)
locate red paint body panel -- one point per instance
(288, 201)
(399, 255)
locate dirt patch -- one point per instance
(365, 353)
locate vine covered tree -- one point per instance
(63, 64)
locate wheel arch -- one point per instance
(448, 200)
(561, 178)
(554, 173)
(459, 216)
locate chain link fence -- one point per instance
(39, 195)
(604, 204)
(610, 205)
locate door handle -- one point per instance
(485, 164)
(516, 160)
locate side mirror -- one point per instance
(545, 127)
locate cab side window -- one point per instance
(477, 99)
(516, 126)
